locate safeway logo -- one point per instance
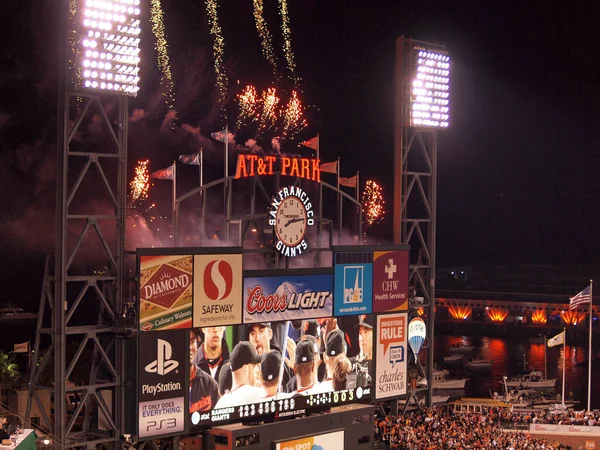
(163, 364)
(218, 279)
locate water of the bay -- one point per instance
(508, 358)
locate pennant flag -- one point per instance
(163, 174)
(21, 348)
(220, 136)
(580, 299)
(559, 339)
(193, 160)
(330, 167)
(348, 182)
(312, 143)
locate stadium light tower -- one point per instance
(422, 107)
(98, 64)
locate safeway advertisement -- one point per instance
(390, 368)
(217, 290)
(165, 292)
(326, 441)
(290, 297)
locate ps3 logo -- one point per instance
(163, 364)
(218, 279)
(163, 424)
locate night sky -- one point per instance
(517, 170)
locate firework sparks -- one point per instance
(218, 50)
(373, 203)
(140, 185)
(293, 120)
(268, 115)
(265, 36)
(162, 50)
(247, 102)
(287, 40)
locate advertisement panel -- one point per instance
(161, 383)
(333, 440)
(390, 372)
(287, 297)
(278, 369)
(353, 274)
(165, 292)
(390, 281)
(217, 289)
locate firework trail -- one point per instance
(293, 120)
(373, 203)
(247, 105)
(140, 184)
(162, 50)
(218, 50)
(287, 40)
(265, 36)
(268, 115)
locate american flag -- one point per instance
(580, 299)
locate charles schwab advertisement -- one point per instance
(161, 383)
(291, 297)
(390, 368)
(165, 292)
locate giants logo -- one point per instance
(163, 364)
(218, 279)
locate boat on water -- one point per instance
(533, 379)
(441, 382)
(461, 348)
(476, 405)
(454, 358)
(479, 364)
(435, 400)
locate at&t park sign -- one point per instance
(252, 165)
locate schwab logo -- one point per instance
(218, 279)
(163, 364)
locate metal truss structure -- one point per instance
(415, 180)
(85, 295)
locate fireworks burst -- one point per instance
(287, 40)
(247, 102)
(218, 50)
(268, 115)
(265, 36)
(162, 50)
(373, 203)
(293, 120)
(140, 185)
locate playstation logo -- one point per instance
(162, 365)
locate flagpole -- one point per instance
(564, 364)
(174, 211)
(339, 204)
(590, 350)
(358, 206)
(226, 151)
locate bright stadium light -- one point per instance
(108, 40)
(430, 88)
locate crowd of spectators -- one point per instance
(437, 428)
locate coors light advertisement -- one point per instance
(165, 292)
(291, 297)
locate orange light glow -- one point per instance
(420, 311)
(497, 315)
(539, 317)
(572, 317)
(460, 312)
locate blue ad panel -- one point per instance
(353, 291)
(293, 297)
